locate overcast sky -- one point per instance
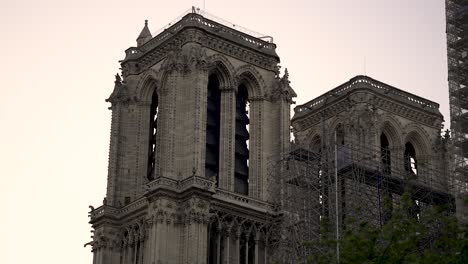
(58, 64)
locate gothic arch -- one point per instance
(247, 74)
(334, 124)
(148, 82)
(392, 129)
(220, 65)
(315, 142)
(418, 137)
(419, 140)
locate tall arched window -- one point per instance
(385, 204)
(241, 170)
(340, 139)
(385, 154)
(152, 136)
(410, 159)
(213, 128)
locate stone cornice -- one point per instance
(242, 201)
(250, 50)
(377, 87)
(193, 186)
(335, 106)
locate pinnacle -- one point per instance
(145, 35)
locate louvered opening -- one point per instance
(242, 142)
(152, 136)
(213, 128)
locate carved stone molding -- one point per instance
(146, 59)
(377, 102)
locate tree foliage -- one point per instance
(431, 236)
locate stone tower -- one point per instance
(197, 116)
(385, 142)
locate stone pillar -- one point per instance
(257, 255)
(218, 245)
(128, 253)
(255, 147)
(94, 255)
(165, 137)
(135, 249)
(236, 255)
(201, 94)
(157, 240)
(143, 112)
(202, 238)
(142, 251)
(131, 254)
(227, 245)
(152, 242)
(227, 139)
(246, 248)
(116, 252)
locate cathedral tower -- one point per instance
(197, 116)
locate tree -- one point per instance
(431, 236)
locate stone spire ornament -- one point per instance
(286, 75)
(144, 36)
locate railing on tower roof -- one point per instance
(203, 13)
(365, 81)
(202, 19)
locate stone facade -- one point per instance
(172, 200)
(175, 212)
(385, 141)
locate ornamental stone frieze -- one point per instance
(374, 94)
(258, 52)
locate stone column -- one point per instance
(130, 254)
(124, 252)
(255, 147)
(117, 252)
(162, 239)
(227, 138)
(143, 112)
(256, 256)
(152, 242)
(246, 248)
(227, 244)
(200, 108)
(236, 255)
(142, 250)
(165, 144)
(202, 239)
(218, 243)
(135, 249)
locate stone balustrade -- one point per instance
(194, 19)
(360, 82)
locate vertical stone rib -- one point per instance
(113, 155)
(256, 157)
(142, 144)
(227, 242)
(227, 139)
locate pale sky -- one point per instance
(58, 64)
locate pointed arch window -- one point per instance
(385, 154)
(340, 137)
(152, 135)
(213, 128)
(241, 170)
(411, 165)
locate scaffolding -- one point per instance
(325, 189)
(457, 59)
